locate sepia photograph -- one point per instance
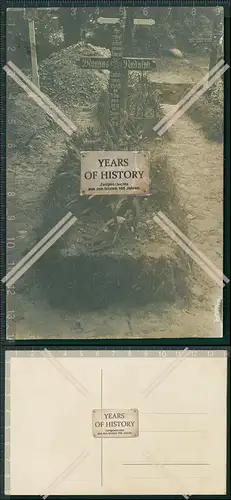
(114, 165)
(116, 422)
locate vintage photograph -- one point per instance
(115, 124)
(116, 422)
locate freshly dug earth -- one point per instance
(142, 262)
(70, 86)
(72, 89)
(38, 142)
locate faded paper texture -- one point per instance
(181, 448)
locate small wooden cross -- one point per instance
(31, 14)
(117, 64)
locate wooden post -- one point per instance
(34, 62)
(30, 15)
(143, 100)
(115, 82)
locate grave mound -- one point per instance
(115, 253)
(69, 85)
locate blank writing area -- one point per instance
(181, 443)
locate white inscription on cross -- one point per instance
(114, 20)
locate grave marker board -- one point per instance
(102, 63)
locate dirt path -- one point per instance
(198, 167)
(178, 71)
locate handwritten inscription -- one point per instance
(131, 63)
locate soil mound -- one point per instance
(115, 252)
(67, 84)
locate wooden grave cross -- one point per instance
(117, 64)
(30, 15)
